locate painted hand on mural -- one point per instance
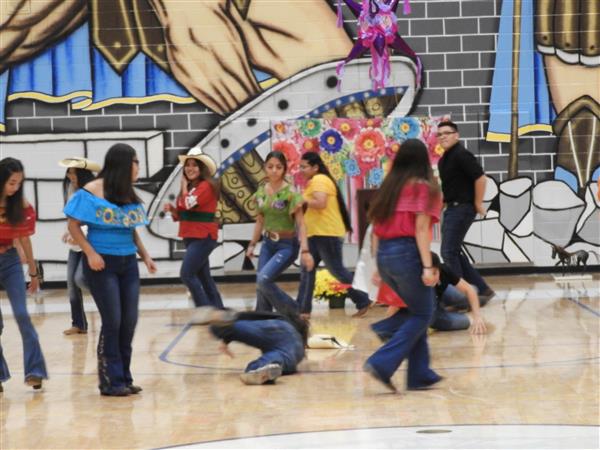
(27, 28)
(212, 47)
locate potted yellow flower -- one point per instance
(327, 287)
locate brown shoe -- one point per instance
(74, 330)
(34, 381)
(362, 311)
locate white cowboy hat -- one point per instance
(203, 158)
(76, 162)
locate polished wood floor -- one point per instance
(538, 364)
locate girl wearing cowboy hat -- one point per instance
(195, 210)
(79, 173)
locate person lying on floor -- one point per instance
(448, 285)
(281, 339)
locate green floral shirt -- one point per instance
(277, 209)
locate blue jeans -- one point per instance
(456, 223)
(274, 258)
(13, 281)
(329, 250)
(442, 321)
(277, 339)
(75, 283)
(195, 272)
(400, 267)
(116, 292)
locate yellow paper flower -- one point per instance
(326, 286)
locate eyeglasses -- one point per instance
(445, 133)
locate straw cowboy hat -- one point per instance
(80, 163)
(203, 158)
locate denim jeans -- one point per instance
(400, 267)
(456, 223)
(13, 281)
(442, 321)
(274, 258)
(116, 292)
(277, 339)
(329, 250)
(454, 298)
(75, 283)
(195, 272)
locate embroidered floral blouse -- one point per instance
(278, 208)
(110, 227)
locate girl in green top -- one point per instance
(281, 222)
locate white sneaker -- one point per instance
(204, 315)
(263, 374)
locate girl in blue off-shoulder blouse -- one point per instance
(112, 211)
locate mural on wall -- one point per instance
(267, 69)
(252, 61)
(546, 79)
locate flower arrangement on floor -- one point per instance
(327, 287)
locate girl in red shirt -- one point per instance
(17, 223)
(195, 210)
(406, 206)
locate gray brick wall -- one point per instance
(456, 40)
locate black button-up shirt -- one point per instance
(458, 171)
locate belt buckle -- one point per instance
(273, 235)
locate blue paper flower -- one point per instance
(331, 141)
(405, 128)
(351, 167)
(375, 177)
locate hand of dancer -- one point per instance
(376, 278)
(477, 325)
(307, 261)
(428, 277)
(34, 286)
(169, 207)
(250, 251)
(224, 348)
(479, 209)
(65, 237)
(95, 261)
(150, 264)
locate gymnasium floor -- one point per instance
(531, 382)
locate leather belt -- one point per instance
(276, 235)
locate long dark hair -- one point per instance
(204, 176)
(116, 173)
(314, 159)
(84, 176)
(14, 211)
(411, 163)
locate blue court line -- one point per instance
(584, 306)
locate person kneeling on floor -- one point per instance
(281, 339)
(449, 285)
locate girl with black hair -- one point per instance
(327, 222)
(112, 211)
(78, 174)
(195, 210)
(406, 206)
(280, 221)
(17, 224)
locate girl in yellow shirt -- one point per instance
(327, 222)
